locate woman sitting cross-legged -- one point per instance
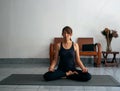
(68, 53)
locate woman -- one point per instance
(68, 53)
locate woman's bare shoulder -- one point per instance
(75, 46)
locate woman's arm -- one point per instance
(54, 62)
(78, 61)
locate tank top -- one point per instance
(67, 58)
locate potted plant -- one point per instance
(109, 34)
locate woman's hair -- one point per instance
(67, 29)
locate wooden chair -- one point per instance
(96, 53)
(53, 47)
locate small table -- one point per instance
(113, 62)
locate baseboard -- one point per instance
(23, 60)
(41, 60)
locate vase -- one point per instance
(108, 47)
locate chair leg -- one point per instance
(97, 61)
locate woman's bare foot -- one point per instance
(71, 73)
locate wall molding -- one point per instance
(23, 60)
(41, 60)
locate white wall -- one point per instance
(28, 26)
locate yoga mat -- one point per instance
(37, 79)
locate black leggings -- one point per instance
(58, 74)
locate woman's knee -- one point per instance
(48, 76)
(87, 77)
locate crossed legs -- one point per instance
(58, 74)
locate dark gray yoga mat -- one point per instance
(37, 79)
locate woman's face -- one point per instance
(66, 35)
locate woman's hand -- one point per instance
(51, 69)
(84, 69)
